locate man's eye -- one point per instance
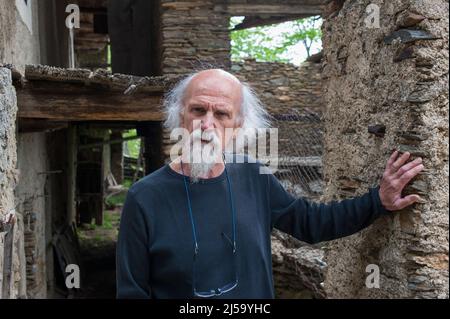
(198, 110)
(222, 114)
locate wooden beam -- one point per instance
(27, 125)
(100, 78)
(256, 21)
(272, 9)
(77, 102)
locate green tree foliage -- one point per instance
(255, 43)
(262, 44)
(305, 31)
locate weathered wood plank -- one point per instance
(101, 77)
(278, 9)
(257, 21)
(77, 102)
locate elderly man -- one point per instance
(199, 230)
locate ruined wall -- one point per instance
(198, 31)
(401, 85)
(191, 32)
(283, 87)
(290, 93)
(12, 248)
(8, 158)
(19, 45)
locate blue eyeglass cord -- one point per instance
(233, 213)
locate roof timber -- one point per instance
(257, 21)
(82, 95)
(305, 7)
(252, 7)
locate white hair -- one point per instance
(252, 112)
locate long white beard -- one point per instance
(203, 156)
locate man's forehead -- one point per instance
(214, 82)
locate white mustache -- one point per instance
(205, 136)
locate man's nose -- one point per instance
(207, 122)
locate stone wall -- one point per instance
(283, 87)
(193, 33)
(8, 158)
(11, 250)
(291, 94)
(197, 32)
(400, 85)
(19, 45)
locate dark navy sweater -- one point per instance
(155, 248)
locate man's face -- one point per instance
(212, 98)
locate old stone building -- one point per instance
(380, 83)
(394, 76)
(25, 39)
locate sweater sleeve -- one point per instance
(316, 222)
(132, 257)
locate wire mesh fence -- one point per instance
(300, 149)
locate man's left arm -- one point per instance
(313, 222)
